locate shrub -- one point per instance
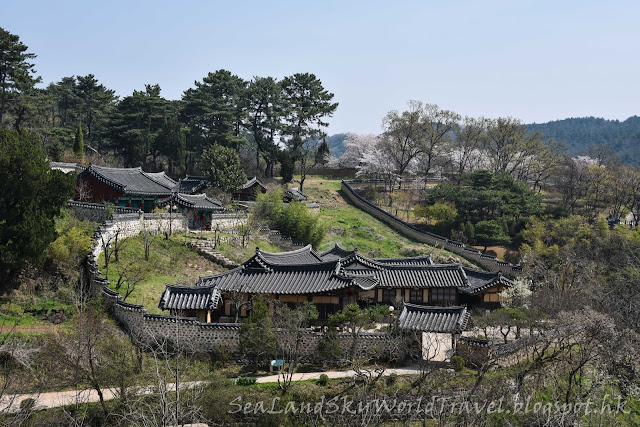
(392, 379)
(512, 256)
(246, 381)
(27, 404)
(323, 380)
(11, 309)
(457, 363)
(329, 347)
(293, 219)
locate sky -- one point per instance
(533, 60)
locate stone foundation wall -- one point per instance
(491, 263)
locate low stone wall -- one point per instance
(491, 263)
(223, 338)
(97, 212)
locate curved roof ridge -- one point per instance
(158, 177)
(96, 167)
(295, 251)
(408, 260)
(296, 256)
(358, 257)
(434, 307)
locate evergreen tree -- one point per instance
(221, 166)
(31, 195)
(323, 154)
(306, 104)
(214, 112)
(78, 143)
(16, 73)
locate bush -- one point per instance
(323, 380)
(293, 219)
(512, 256)
(12, 309)
(246, 381)
(392, 379)
(457, 363)
(27, 404)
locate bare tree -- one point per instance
(438, 126)
(16, 372)
(469, 139)
(403, 137)
(170, 401)
(129, 275)
(291, 325)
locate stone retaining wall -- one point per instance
(489, 262)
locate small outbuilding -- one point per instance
(294, 195)
(192, 184)
(249, 190)
(197, 208)
(190, 301)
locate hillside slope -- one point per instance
(580, 134)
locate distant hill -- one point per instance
(336, 144)
(580, 134)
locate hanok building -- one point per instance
(249, 190)
(294, 195)
(128, 187)
(336, 278)
(197, 208)
(192, 184)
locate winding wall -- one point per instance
(471, 254)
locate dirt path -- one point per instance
(11, 403)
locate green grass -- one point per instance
(352, 228)
(170, 261)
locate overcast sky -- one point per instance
(533, 60)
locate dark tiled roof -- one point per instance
(162, 179)
(433, 319)
(304, 271)
(194, 201)
(281, 279)
(295, 194)
(251, 182)
(189, 298)
(479, 281)
(192, 184)
(335, 253)
(422, 260)
(449, 276)
(132, 180)
(305, 255)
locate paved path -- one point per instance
(332, 374)
(11, 403)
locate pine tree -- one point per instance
(323, 155)
(78, 144)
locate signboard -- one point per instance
(277, 362)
